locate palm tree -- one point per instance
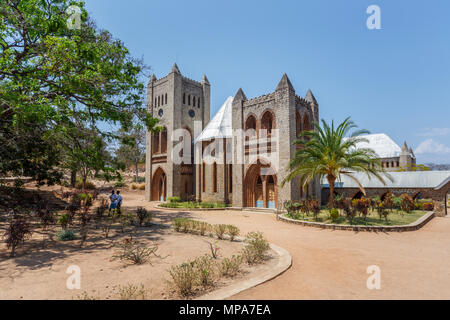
(326, 152)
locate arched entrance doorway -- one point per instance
(260, 187)
(159, 186)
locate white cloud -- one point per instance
(434, 132)
(430, 146)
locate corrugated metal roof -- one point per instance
(412, 179)
(220, 126)
(382, 144)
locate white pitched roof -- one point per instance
(411, 179)
(382, 144)
(220, 126)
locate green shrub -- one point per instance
(203, 228)
(204, 269)
(220, 230)
(132, 292)
(183, 277)
(230, 267)
(428, 206)
(178, 223)
(66, 235)
(174, 199)
(334, 214)
(143, 215)
(64, 220)
(256, 249)
(172, 205)
(407, 203)
(88, 186)
(134, 252)
(233, 232)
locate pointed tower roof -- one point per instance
(285, 83)
(405, 147)
(175, 69)
(205, 79)
(220, 127)
(310, 97)
(240, 95)
(152, 78)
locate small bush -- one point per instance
(174, 199)
(134, 186)
(132, 292)
(142, 215)
(334, 214)
(66, 235)
(233, 232)
(89, 185)
(17, 232)
(141, 186)
(183, 277)
(178, 223)
(428, 206)
(407, 203)
(134, 252)
(64, 220)
(203, 228)
(170, 205)
(220, 230)
(204, 269)
(230, 267)
(256, 249)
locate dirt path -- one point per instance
(332, 264)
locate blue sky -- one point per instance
(395, 80)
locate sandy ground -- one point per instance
(333, 264)
(326, 264)
(40, 273)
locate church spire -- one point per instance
(175, 69)
(285, 83)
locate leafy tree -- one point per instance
(132, 147)
(326, 152)
(54, 78)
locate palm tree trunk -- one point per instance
(331, 181)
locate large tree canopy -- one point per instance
(54, 77)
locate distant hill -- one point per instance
(438, 167)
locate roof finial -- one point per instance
(205, 79)
(285, 83)
(175, 69)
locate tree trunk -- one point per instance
(331, 181)
(137, 171)
(73, 178)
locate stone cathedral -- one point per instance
(239, 157)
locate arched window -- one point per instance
(164, 141)
(189, 100)
(194, 100)
(250, 123)
(306, 123)
(156, 101)
(165, 99)
(155, 143)
(184, 98)
(199, 102)
(214, 167)
(159, 101)
(268, 123)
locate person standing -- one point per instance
(113, 199)
(119, 201)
